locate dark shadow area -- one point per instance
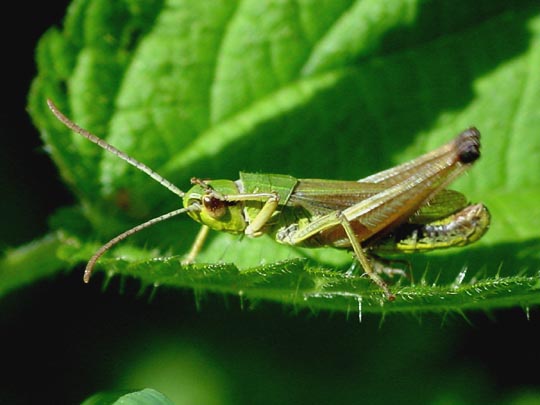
(458, 15)
(30, 185)
(75, 340)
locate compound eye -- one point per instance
(215, 207)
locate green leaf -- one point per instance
(30, 263)
(337, 90)
(146, 396)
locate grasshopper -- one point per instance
(403, 209)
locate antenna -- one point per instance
(109, 148)
(142, 167)
(90, 265)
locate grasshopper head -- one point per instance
(215, 211)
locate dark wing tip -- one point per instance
(468, 145)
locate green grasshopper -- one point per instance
(403, 209)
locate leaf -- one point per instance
(334, 90)
(146, 396)
(29, 263)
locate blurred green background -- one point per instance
(63, 341)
